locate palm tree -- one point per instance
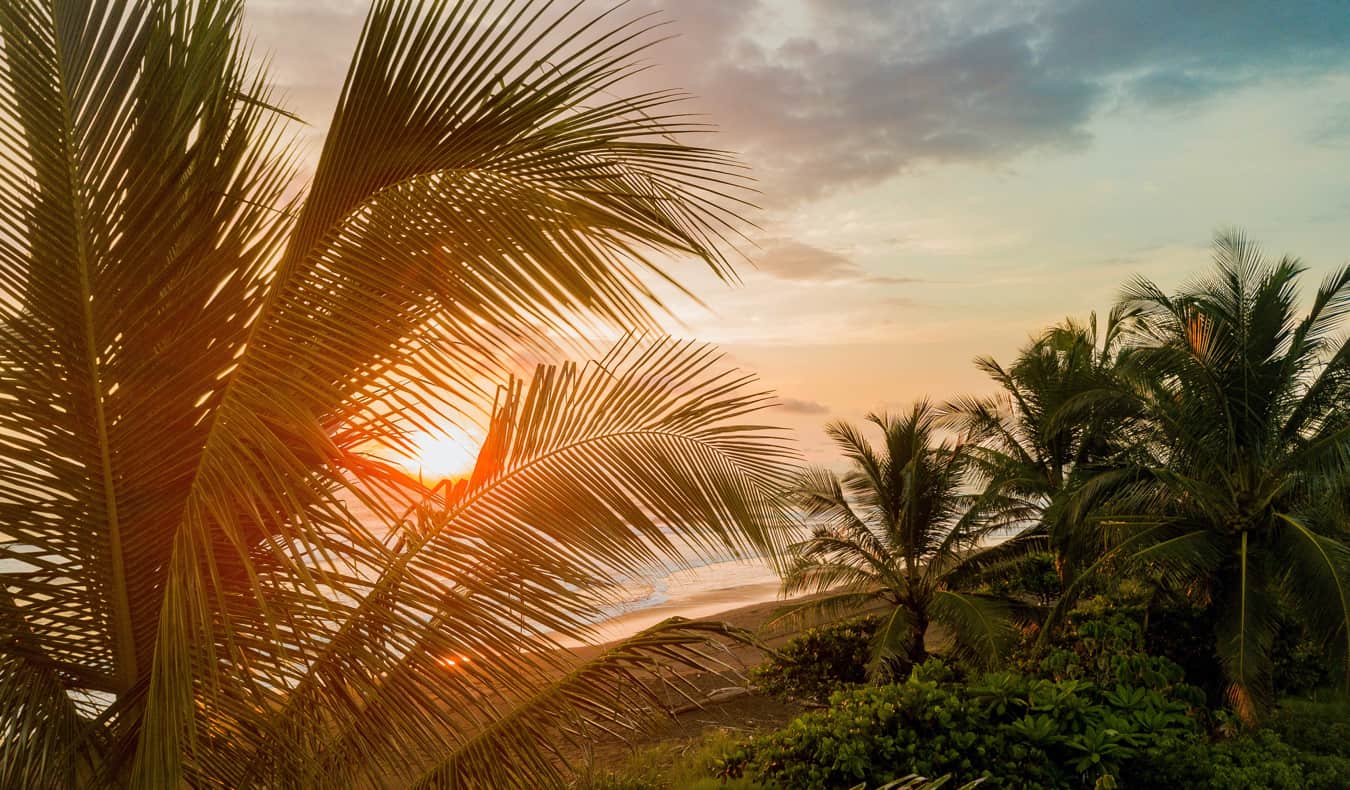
(202, 368)
(1035, 440)
(899, 531)
(1238, 493)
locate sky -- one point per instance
(940, 180)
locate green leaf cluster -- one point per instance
(819, 661)
(1261, 760)
(901, 531)
(1199, 442)
(1012, 730)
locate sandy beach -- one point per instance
(706, 592)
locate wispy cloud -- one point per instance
(806, 407)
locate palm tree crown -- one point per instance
(1036, 439)
(899, 530)
(1237, 489)
(201, 372)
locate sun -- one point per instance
(447, 454)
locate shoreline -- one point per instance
(720, 591)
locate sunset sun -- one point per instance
(443, 455)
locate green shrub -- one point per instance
(1012, 730)
(1184, 634)
(819, 661)
(1033, 577)
(873, 735)
(1106, 647)
(1317, 728)
(1255, 761)
(1302, 667)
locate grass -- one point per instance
(688, 764)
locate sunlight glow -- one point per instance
(445, 455)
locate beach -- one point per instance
(703, 592)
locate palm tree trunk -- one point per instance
(918, 652)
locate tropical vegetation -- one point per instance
(819, 661)
(1236, 481)
(213, 576)
(899, 531)
(1036, 438)
(1132, 560)
(1170, 492)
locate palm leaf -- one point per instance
(1317, 578)
(617, 692)
(980, 624)
(200, 368)
(581, 476)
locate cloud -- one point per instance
(807, 407)
(788, 259)
(1333, 129)
(856, 91)
(821, 95)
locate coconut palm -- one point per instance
(1035, 440)
(203, 368)
(1238, 494)
(899, 531)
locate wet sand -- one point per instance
(728, 592)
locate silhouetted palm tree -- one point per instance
(1237, 492)
(1035, 440)
(900, 531)
(200, 368)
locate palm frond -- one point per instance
(1317, 578)
(583, 475)
(200, 368)
(618, 692)
(822, 608)
(980, 624)
(894, 640)
(1246, 633)
(996, 561)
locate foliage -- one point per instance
(900, 530)
(213, 577)
(1316, 727)
(1255, 761)
(1103, 643)
(819, 661)
(1036, 440)
(1301, 666)
(1014, 731)
(1030, 576)
(1234, 485)
(696, 764)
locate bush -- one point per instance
(1106, 647)
(1255, 761)
(1317, 728)
(819, 661)
(1183, 633)
(1302, 667)
(1034, 577)
(1012, 730)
